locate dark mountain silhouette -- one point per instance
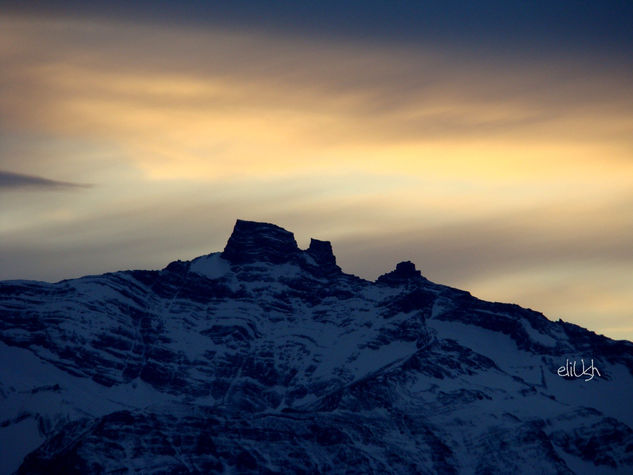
(266, 358)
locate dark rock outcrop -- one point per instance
(321, 252)
(263, 242)
(404, 272)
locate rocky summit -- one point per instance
(266, 358)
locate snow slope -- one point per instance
(266, 358)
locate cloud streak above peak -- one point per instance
(18, 181)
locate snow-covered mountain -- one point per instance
(266, 358)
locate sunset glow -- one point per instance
(508, 176)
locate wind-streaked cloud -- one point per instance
(17, 181)
(210, 104)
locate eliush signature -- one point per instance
(569, 370)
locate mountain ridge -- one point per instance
(293, 365)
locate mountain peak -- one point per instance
(403, 272)
(321, 252)
(228, 366)
(253, 241)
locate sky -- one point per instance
(489, 142)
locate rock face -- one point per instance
(325, 261)
(266, 358)
(404, 272)
(260, 242)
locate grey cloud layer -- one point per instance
(493, 245)
(19, 181)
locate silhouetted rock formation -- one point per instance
(264, 242)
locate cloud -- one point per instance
(563, 235)
(195, 104)
(18, 181)
(491, 26)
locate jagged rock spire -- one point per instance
(321, 252)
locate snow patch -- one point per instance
(211, 266)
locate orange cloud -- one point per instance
(255, 105)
